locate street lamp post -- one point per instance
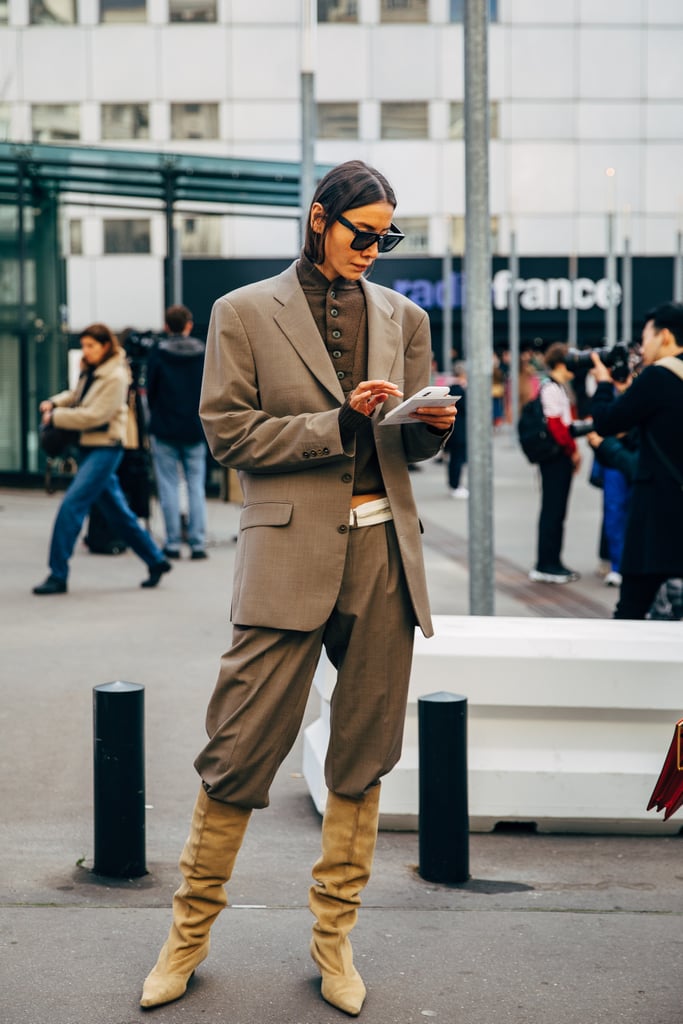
(309, 22)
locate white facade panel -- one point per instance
(341, 47)
(403, 63)
(412, 169)
(453, 179)
(617, 120)
(128, 291)
(542, 63)
(451, 83)
(194, 65)
(603, 11)
(264, 62)
(664, 179)
(661, 237)
(538, 121)
(125, 63)
(600, 192)
(664, 66)
(537, 236)
(10, 42)
(541, 178)
(265, 122)
(44, 49)
(663, 12)
(537, 12)
(663, 120)
(265, 238)
(610, 63)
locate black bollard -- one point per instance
(119, 755)
(444, 821)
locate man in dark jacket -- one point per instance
(174, 381)
(653, 547)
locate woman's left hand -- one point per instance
(437, 417)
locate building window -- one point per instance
(200, 236)
(123, 10)
(337, 120)
(458, 10)
(127, 236)
(192, 10)
(337, 10)
(4, 12)
(194, 120)
(76, 237)
(53, 12)
(416, 230)
(403, 10)
(125, 121)
(458, 234)
(405, 121)
(456, 122)
(55, 122)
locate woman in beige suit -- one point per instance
(299, 372)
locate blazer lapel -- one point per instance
(296, 321)
(384, 334)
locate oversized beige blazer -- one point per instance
(270, 404)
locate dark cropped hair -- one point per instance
(345, 187)
(555, 354)
(101, 333)
(177, 318)
(669, 315)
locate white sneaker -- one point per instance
(567, 576)
(613, 579)
(460, 492)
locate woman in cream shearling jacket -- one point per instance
(98, 408)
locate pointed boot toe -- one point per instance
(344, 991)
(168, 981)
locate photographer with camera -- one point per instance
(557, 471)
(653, 545)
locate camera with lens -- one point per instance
(137, 344)
(579, 428)
(619, 359)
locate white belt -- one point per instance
(370, 512)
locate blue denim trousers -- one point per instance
(169, 458)
(96, 479)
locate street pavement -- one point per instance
(550, 929)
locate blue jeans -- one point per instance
(168, 457)
(96, 479)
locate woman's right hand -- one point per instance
(370, 393)
(46, 406)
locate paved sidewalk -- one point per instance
(561, 929)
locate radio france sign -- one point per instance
(533, 293)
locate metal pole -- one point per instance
(119, 777)
(678, 268)
(309, 22)
(513, 327)
(444, 820)
(611, 275)
(169, 276)
(572, 315)
(478, 317)
(447, 312)
(627, 292)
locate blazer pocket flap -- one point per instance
(266, 513)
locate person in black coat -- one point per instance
(653, 547)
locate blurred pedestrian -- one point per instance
(174, 382)
(456, 445)
(299, 371)
(98, 408)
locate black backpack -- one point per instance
(535, 439)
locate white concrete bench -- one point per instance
(569, 721)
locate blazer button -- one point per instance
(336, 334)
(334, 312)
(306, 455)
(343, 528)
(336, 354)
(341, 374)
(346, 478)
(325, 451)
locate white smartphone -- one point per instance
(432, 395)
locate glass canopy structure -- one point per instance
(35, 180)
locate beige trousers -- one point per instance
(259, 700)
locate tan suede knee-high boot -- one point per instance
(207, 860)
(348, 846)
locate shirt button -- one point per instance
(341, 374)
(336, 334)
(334, 312)
(343, 528)
(347, 478)
(333, 295)
(336, 354)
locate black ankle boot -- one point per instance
(52, 585)
(156, 571)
